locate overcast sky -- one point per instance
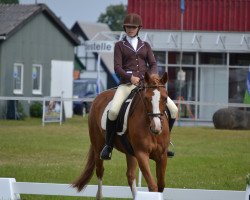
(71, 11)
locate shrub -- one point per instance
(248, 179)
(36, 110)
(20, 111)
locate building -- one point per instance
(198, 15)
(36, 54)
(205, 49)
(87, 31)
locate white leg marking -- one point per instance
(99, 191)
(134, 190)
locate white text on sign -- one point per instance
(99, 46)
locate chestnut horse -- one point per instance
(147, 132)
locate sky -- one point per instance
(71, 11)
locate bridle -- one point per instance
(142, 87)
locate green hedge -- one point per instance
(36, 110)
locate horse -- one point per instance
(147, 131)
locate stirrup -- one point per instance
(106, 153)
(170, 153)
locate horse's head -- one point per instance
(155, 99)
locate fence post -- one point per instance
(248, 188)
(247, 193)
(6, 189)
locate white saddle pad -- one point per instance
(104, 117)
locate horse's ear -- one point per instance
(146, 78)
(164, 78)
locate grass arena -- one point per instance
(206, 158)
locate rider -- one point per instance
(132, 58)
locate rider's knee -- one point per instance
(173, 109)
(174, 112)
(112, 115)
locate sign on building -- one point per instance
(99, 46)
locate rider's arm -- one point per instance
(118, 64)
(134, 80)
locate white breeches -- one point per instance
(172, 108)
(122, 93)
(120, 96)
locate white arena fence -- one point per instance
(11, 190)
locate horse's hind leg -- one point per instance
(99, 174)
(131, 173)
(98, 144)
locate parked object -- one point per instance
(84, 88)
(231, 118)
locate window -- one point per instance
(37, 79)
(238, 76)
(18, 78)
(188, 58)
(239, 59)
(160, 57)
(213, 58)
(237, 84)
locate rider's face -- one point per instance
(131, 30)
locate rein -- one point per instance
(152, 86)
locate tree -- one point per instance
(9, 1)
(114, 16)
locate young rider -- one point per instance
(132, 58)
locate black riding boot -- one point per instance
(110, 136)
(170, 124)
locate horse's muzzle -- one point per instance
(156, 126)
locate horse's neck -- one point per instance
(138, 103)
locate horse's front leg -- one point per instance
(161, 166)
(143, 161)
(131, 173)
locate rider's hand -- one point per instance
(135, 80)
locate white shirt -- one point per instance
(133, 41)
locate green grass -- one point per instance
(205, 158)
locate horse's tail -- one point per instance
(88, 171)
